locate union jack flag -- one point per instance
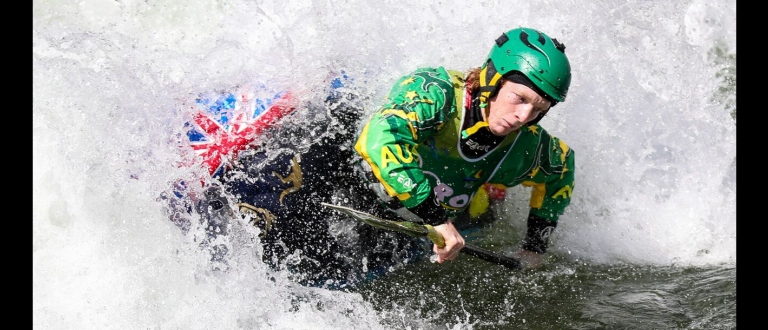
(225, 125)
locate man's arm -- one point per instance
(552, 187)
(415, 109)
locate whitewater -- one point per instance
(650, 114)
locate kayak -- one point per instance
(278, 185)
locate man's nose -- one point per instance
(525, 113)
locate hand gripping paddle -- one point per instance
(417, 230)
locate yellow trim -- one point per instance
(479, 203)
(387, 157)
(537, 194)
(494, 80)
(476, 127)
(402, 114)
(360, 148)
(409, 116)
(565, 150)
(564, 192)
(400, 154)
(498, 186)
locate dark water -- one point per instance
(560, 295)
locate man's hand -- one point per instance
(453, 242)
(530, 259)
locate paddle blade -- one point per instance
(405, 227)
(415, 229)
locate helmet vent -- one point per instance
(559, 45)
(502, 39)
(532, 53)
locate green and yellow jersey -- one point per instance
(427, 138)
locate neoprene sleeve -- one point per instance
(537, 236)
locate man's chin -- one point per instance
(501, 131)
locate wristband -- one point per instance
(539, 231)
(430, 211)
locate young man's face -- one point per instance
(514, 106)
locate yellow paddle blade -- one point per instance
(406, 227)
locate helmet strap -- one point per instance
(489, 80)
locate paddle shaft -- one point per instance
(475, 251)
(486, 255)
(414, 229)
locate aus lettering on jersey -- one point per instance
(387, 156)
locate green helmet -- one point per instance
(534, 54)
